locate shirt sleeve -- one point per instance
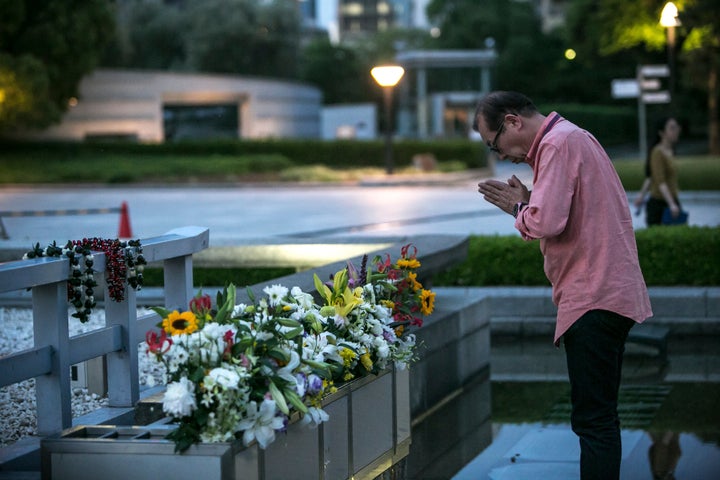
(549, 209)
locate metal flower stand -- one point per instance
(368, 432)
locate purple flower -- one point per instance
(314, 385)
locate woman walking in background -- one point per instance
(661, 174)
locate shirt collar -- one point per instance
(546, 126)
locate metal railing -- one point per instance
(49, 361)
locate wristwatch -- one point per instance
(517, 207)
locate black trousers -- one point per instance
(654, 210)
(594, 347)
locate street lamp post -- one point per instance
(669, 19)
(387, 76)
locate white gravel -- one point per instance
(19, 412)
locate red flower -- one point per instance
(158, 344)
(382, 266)
(406, 249)
(200, 305)
(229, 338)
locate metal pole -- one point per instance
(422, 110)
(671, 61)
(389, 167)
(642, 129)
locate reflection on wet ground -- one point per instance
(550, 452)
(548, 449)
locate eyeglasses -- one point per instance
(493, 145)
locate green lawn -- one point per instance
(700, 172)
(47, 167)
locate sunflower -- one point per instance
(427, 302)
(408, 263)
(412, 280)
(178, 323)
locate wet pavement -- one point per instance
(551, 452)
(391, 207)
(388, 206)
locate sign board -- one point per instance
(625, 88)
(656, 97)
(654, 71)
(647, 84)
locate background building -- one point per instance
(162, 106)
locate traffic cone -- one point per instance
(124, 230)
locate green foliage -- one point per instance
(222, 36)
(680, 255)
(668, 256)
(497, 260)
(24, 93)
(115, 168)
(45, 49)
(148, 23)
(350, 81)
(610, 124)
(218, 277)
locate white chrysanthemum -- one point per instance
(275, 293)
(369, 293)
(238, 310)
(340, 321)
(305, 300)
(179, 400)
(382, 348)
(224, 377)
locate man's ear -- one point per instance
(514, 120)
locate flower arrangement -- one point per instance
(242, 370)
(371, 312)
(124, 264)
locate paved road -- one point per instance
(249, 214)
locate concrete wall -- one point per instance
(130, 103)
(529, 310)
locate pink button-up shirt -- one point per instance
(579, 212)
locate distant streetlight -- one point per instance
(387, 76)
(669, 19)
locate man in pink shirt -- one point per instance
(579, 212)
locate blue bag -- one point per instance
(668, 219)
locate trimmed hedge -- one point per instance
(669, 256)
(334, 154)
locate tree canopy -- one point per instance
(632, 29)
(219, 36)
(46, 47)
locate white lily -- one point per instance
(261, 424)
